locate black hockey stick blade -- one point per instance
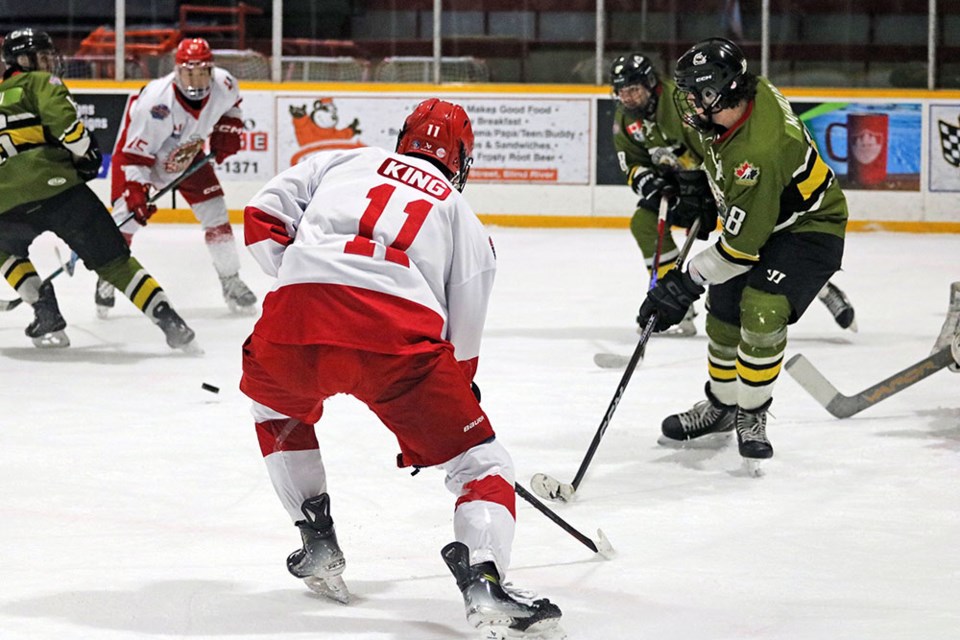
(841, 406)
(601, 546)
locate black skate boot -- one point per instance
(493, 609)
(839, 305)
(752, 436)
(706, 417)
(105, 297)
(238, 295)
(47, 328)
(320, 563)
(179, 335)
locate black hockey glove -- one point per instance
(651, 185)
(670, 299)
(476, 390)
(88, 165)
(693, 202)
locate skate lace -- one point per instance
(104, 289)
(835, 300)
(234, 287)
(525, 596)
(752, 426)
(701, 415)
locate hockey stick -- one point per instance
(70, 265)
(550, 488)
(613, 360)
(601, 546)
(842, 406)
(192, 169)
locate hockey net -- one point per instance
(420, 69)
(325, 69)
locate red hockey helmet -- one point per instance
(440, 132)
(194, 71)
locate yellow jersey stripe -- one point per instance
(27, 135)
(74, 133)
(816, 178)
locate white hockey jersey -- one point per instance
(371, 250)
(162, 133)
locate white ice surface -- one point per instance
(133, 504)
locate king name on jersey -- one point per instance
(416, 178)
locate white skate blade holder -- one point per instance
(333, 588)
(535, 632)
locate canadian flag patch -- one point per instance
(746, 174)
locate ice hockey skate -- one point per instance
(238, 295)
(839, 305)
(47, 328)
(497, 611)
(179, 335)
(105, 297)
(708, 417)
(320, 563)
(950, 324)
(752, 437)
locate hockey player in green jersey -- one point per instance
(46, 157)
(659, 154)
(784, 219)
(654, 149)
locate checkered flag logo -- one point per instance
(950, 142)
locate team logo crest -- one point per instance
(635, 129)
(159, 111)
(746, 174)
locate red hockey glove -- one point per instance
(135, 195)
(227, 137)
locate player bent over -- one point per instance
(43, 188)
(783, 235)
(164, 132)
(660, 155)
(383, 276)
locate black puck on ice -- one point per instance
(210, 388)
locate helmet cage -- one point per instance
(440, 132)
(708, 77)
(193, 74)
(633, 70)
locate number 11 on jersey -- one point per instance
(363, 245)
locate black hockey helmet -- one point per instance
(29, 50)
(712, 74)
(636, 69)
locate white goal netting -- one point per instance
(325, 69)
(420, 69)
(242, 64)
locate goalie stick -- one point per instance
(842, 406)
(548, 487)
(601, 546)
(70, 265)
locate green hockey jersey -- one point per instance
(767, 177)
(37, 118)
(646, 144)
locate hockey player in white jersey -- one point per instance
(383, 274)
(165, 129)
